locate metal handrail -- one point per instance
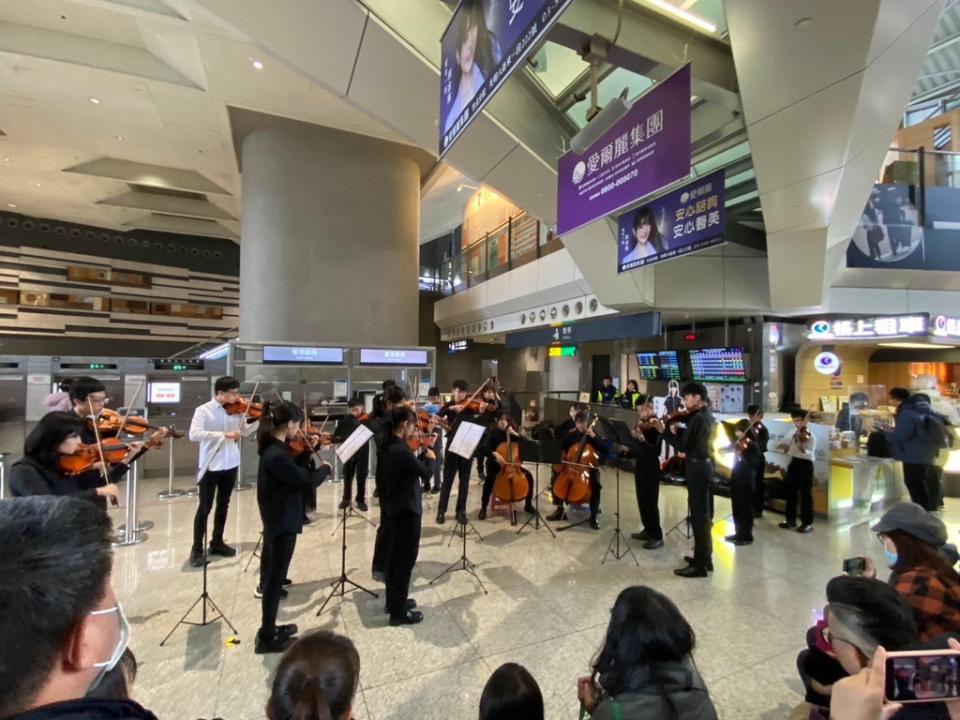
(219, 337)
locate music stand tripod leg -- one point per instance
(537, 518)
(340, 584)
(463, 563)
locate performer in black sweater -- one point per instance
(646, 475)
(495, 436)
(281, 480)
(380, 426)
(742, 478)
(456, 412)
(356, 465)
(761, 437)
(581, 431)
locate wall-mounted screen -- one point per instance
(302, 355)
(163, 393)
(392, 356)
(649, 364)
(659, 365)
(718, 365)
(669, 365)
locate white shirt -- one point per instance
(806, 452)
(209, 424)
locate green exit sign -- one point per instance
(563, 351)
(178, 365)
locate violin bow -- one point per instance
(475, 393)
(103, 460)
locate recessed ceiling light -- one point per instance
(11, 205)
(118, 137)
(38, 184)
(95, 101)
(6, 159)
(685, 15)
(257, 65)
(916, 345)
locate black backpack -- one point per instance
(878, 445)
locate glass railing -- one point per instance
(520, 240)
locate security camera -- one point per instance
(601, 122)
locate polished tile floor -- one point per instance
(547, 606)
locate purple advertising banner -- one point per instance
(485, 41)
(647, 149)
(681, 222)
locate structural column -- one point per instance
(329, 239)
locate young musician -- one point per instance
(37, 472)
(580, 431)
(495, 436)
(379, 424)
(88, 396)
(356, 465)
(400, 501)
(646, 477)
(799, 474)
(454, 465)
(695, 441)
(762, 438)
(432, 407)
(491, 406)
(742, 478)
(569, 424)
(218, 435)
(281, 481)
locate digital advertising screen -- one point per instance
(302, 355)
(718, 365)
(484, 43)
(163, 393)
(392, 356)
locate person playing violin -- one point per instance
(357, 465)
(456, 412)
(802, 450)
(762, 437)
(391, 397)
(646, 476)
(37, 473)
(89, 396)
(492, 406)
(747, 450)
(695, 442)
(218, 434)
(432, 407)
(580, 430)
(495, 436)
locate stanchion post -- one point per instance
(170, 492)
(131, 533)
(3, 475)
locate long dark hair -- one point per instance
(645, 216)
(913, 552)
(397, 417)
(485, 55)
(42, 442)
(646, 632)
(511, 692)
(274, 415)
(316, 678)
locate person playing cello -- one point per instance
(497, 435)
(581, 432)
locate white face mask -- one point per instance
(122, 641)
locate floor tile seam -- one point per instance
(445, 668)
(735, 671)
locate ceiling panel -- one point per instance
(85, 20)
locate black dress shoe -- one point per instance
(805, 529)
(440, 519)
(435, 491)
(653, 544)
(642, 535)
(691, 571)
(738, 541)
(594, 525)
(275, 643)
(287, 582)
(258, 593)
(362, 506)
(411, 604)
(556, 515)
(787, 525)
(688, 559)
(306, 520)
(482, 515)
(287, 630)
(344, 504)
(222, 549)
(411, 617)
(196, 558)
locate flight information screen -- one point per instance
(660, 365)
(718, 365)
(649, 363)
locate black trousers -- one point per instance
(275, 559)
(698, 473)
(493, 469)
(381, 547)
(647, 484)
(741, 498)
(219, 483)
(920, 480)
(356, 466)
(595, 488)
(454, 465)
(936, 486)
(759, 486)
(800, 482)
(404, 548)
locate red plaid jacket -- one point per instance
(934, 601)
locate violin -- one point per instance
(572, 483)
(110, 422)
(252, 410)
(513, 481)
(114, 451)
(681, 416)
(803, 433)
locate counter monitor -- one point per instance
(163, 393)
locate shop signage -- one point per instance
(944, 326)
(869, 328)
(562, 351)
(458, 346)
(483, 44)
(644, 151)
(826, 363)
(613, 327)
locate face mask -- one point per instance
(122, 641)
(431, 408)
(891, 557)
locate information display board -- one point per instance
(163, 393)
(302, 355)
(659, 365)
(718, 365)
(392, 356)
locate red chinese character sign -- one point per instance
(645, 150)
(684, 221)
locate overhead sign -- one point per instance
(562, 351)
(613, 327)
(392, 356)
(484, 43)
(178, 365)
(944, 326)
(647, 149)
(826, 363)
(869, 328)
(302, 355)
(458, 346)
(684, 221)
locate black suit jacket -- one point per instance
(402, 480)
(281, 481)
(28, 477)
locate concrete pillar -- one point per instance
(329, 239)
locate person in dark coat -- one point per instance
(281, 481)
(646, 476)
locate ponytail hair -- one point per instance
(316, 679)
(398, 416)
(274, 415)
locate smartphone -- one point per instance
(854, 566)
(922, 676)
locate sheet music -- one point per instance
(466, 440)
(358, 438)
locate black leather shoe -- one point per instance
(196, 558)
(786, 525)
(440, 519)
(738, 541)
(344, 504)
(688, 559)
(594, 525)
(258, 593)
(556, 515)
(287, 630)
(411, 617)
(362, 506)
(435, 491)
(482, 515)
(653, 544)
(222, 549)
(805, 529)
(276, 643)
(306, 520)
(411, 604)
(287, 582)
(642, 535)
(691, 571)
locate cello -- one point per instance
(512, 482)
(572, 483)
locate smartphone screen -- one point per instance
(924, 677)
(854, 566)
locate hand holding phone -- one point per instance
(922, 676)
(854, 566)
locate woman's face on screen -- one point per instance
(468, 49)
(642, 232)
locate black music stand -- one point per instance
(340, 584)
(617, 433)
(255, 553)
(531, 451)
(463, 563)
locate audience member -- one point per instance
(511, 693)
(59, 400)
(316, 679)
(61, 626)
(913, 447)
(645, 668)
(117, 682)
